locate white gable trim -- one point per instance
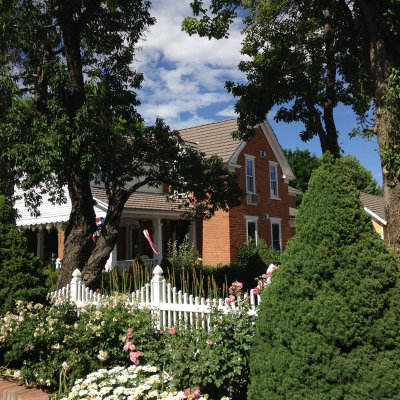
(375, 216)
(277, 150)
(275, 147)
(233, 160)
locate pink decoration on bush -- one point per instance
(172, 331)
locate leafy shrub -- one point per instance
(47, 343)
(43, 341)
(328, 326)
(20, 270)
(217, 361)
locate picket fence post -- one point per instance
(75, 286)
(156, 293)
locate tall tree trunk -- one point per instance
(104, 245)
(383, 126)
(78, 242)
(330, 127)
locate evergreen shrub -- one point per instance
(329, 323)
(20, 271)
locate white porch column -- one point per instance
(158, 239)
(40, 244)
(112, 259)
(192, 234)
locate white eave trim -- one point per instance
(233, 160)
(375, 216)
(277, 150)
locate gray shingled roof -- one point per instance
(142, 201)
(214, 139)
(376, 204)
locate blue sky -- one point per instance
(185, 77)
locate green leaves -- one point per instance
(329, 318)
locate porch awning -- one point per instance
(143, 201)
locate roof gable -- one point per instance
(374, 205)
(216, 139)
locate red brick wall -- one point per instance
(215, 239)
(274, 208)
(292, 201)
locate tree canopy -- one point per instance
(307, 57)
(68, 87)
(303, 164)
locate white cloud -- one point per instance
(185, 75)
(227, 112)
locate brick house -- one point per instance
(267, 210)
(264, 176)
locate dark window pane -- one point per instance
(251, 231)
(276, 244)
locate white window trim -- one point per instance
(251, 218)
(276, 221)
(275, 165)
(248, 157)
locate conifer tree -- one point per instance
(329, 323)
(20, 271)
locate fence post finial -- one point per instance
(58, 263)
(75, 285)
(156, 291)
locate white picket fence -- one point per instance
(169, 304)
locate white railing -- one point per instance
(149, 263)
(171, 305)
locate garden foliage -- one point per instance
(184, 269)
(20, 271)
(328, 326)
(53, 346)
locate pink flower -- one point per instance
(209, 342)
(134, 357)
(172, 331)
(265, 276)
(123, 339)
(232, 298)
(259, 284)
(130, 330)
(126, 347)
(129, 335)
(195, 394)
(227, 301)
(255, 291)
(132, 347)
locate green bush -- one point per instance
(46, 341)
(329, 323)
(20, 270)
(217, 361)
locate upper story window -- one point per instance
(273, 179)
(250, 174)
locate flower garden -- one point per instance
(111, 351)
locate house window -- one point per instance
(250, 178)
(251, 229)
(273, 179)
(276, 236)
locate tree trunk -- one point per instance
(78, 242)
(91, 274)
(383, 126)
(332, 144)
